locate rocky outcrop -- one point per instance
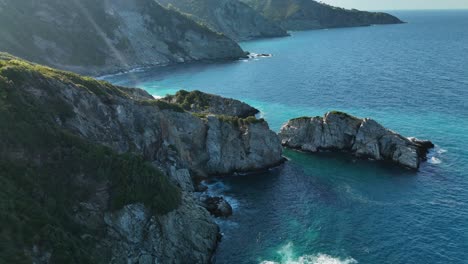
(99, 37)
(230, 17)
(363, 137)
(217, 206)
(309, 14)
(203, 103)
(62, 120)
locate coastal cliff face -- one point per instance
(362, 137)
(95, 173)
(309, 14)
(233, 18)
(106, 36)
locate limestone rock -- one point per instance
(362, 137)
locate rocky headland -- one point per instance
(97, 173)
(363, 137)
(309, 14)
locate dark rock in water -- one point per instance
(423, 146)
(218, 206)
(362, 137)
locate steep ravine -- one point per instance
(95, 173)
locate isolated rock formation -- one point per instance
(363, 137)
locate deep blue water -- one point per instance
(330, 208)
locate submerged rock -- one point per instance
(217, 206)
(362, 137)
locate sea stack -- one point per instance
(363, 137)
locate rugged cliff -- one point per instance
(104, 36)
(362, 137)
(94, 173)
(309, 14)
(230, 17)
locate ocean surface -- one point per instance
(331, 208)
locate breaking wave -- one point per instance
(287, 257)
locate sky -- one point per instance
(399, 4)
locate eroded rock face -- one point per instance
(362, 137)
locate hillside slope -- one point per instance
(309, 14)
(230, 17)
(105, 36)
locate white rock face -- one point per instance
(362, 137)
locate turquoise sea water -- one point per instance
(331, 208)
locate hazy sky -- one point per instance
(399, 4)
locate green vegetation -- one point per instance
(187, 99)
(301, 118)
(20, 72)
(163, 105)
(237, 121)
(45, 171)
(334, 112)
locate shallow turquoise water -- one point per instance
(412, 78)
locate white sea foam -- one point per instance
(287, 257)
(434, 160)
(441, 151)
(217, 189)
